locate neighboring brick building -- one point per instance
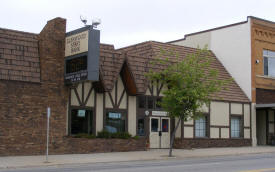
(32, 79)
(247, 51)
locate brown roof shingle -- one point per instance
(19, 57)
(147, 51)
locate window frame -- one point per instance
(266, 57)
(207, 126)
(89, 119)
(123, 113)
(241, 126)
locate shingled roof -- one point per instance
(19, 58)
(147, 51)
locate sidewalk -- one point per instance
(155, 154)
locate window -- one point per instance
(269, 63)
(158, 101)
(115, 122)
(140, 131)
(235, 127)
(200, 127)
(154, 125)
(142, 102)
(150, 102)
(81, 121)
(165, 125)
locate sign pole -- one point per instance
(48, 128)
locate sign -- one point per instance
(114, 115)
(159, 113)
(81, 113)
(76, 44)
(82, 55)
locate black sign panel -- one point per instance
(84, 66)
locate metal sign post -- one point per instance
(48, 128)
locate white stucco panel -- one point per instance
(99, 112)
(236, 108)
(247, 133)
(132, 115)
(123, 103)
(224, 132)
(214, 133)
(74, 101)
(188, 132)
(189, 122)
(219, 114)
(246, 115)
(108, 103)
(178, 131)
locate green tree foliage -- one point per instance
(190, 81)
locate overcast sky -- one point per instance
(126, 22)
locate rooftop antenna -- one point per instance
(83, 19)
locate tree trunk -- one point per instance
(173, 138)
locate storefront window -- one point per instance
(81, 121)
(115, 122)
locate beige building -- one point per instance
(123, 100)
(247, 51)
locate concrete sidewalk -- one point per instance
(155, 154)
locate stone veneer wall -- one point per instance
(207, 143)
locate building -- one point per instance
(121, 100)
(247, 51)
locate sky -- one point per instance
(127, 22)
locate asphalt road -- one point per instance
(244, 163)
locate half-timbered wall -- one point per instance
(219, 114)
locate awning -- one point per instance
(262, 106)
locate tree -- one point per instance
(190, 81)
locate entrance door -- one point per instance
(159, 132)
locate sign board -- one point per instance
(114, 115)
(82, 55)
(81, 113)
(159, 113)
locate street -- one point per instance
(241, 163)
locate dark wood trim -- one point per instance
(82, 96)
(121, 97)
(267, 126)
(220, 133)
(127, 113)
(116, 93)
(242, 121)
(104, 110)
(159, 89)
(219, 126)
(151, 89)
(89, 94)
(112, 101)
(188, 125)
(251, 120)
(182, 129)
(227, 101)
(69, 113)
(77, 96)
(229, 120)
(95, 114)
(246, 127)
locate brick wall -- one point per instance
(207, 143)
(23, 104)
